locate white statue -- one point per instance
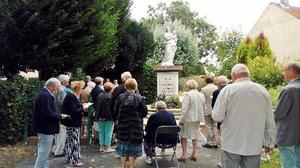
(170, 48)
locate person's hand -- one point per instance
(63, 116)
(85, 107)
(268, 149)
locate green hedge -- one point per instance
(147, 83)
(16, 99)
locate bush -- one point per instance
(147, 83)
(173, 102)
(199, 78)
(274, 93)
(16, 99)
(265, 71)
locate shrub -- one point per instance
(265, 71)
(147, 83)
(274, 93)
(16, 99)
(173, 102)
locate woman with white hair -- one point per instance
(193, 106)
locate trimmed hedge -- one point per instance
(16, 99)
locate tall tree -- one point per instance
(227, 47)
(58, 35)
(205, 33)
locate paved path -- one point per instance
(207, 158)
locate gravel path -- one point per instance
(207, 158)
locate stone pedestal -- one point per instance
(167, 79)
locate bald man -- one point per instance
(245, 110)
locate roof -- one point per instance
(292, 10)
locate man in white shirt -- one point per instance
(245, 110)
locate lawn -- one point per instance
(274, 162)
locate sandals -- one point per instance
(181, 159)
(79, 164)
(193, 158)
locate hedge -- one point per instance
(16, 97)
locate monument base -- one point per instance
(167, 79)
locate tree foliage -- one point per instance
(265, 71)
(258, 56)
(204, 34)
(57, 36)
(249, 49)
(227, 47)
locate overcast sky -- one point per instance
(224, 14)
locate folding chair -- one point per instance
(172, 130)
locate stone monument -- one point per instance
(167, 72)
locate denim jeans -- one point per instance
(44, 150)
(290, 156)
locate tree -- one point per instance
(187, 50)
(258, 56)
(57, 36)
(204, 32)
(249, 49)
(227, 47)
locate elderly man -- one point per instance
(60, 139)
(287, 116)
(45, 121)
(245, 110)
(211, 125)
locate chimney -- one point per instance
(284, 2)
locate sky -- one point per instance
(238, 15)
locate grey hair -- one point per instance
(52, 81)
(294, 65)
(125, 75)
(160, 105)
(240, 68)
(222, 79)
(91, 85)
(99, 80)
(63, 77)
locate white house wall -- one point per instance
(282, 31)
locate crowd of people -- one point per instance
(235, 115)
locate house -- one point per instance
(281, 25)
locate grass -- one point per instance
(274, 162)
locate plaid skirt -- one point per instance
(126, 149)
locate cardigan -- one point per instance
(156, 120)
(130, 109)
(45, 118)
(72, 107)
(103, 107)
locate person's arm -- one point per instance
(143, 108)
(184, 108)
(149, 124)
(219, 111)
(46, 102)
(270, 127)
(76, 107)
(116, 109)
(98, 107)
(214, 98)
(284, 105)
